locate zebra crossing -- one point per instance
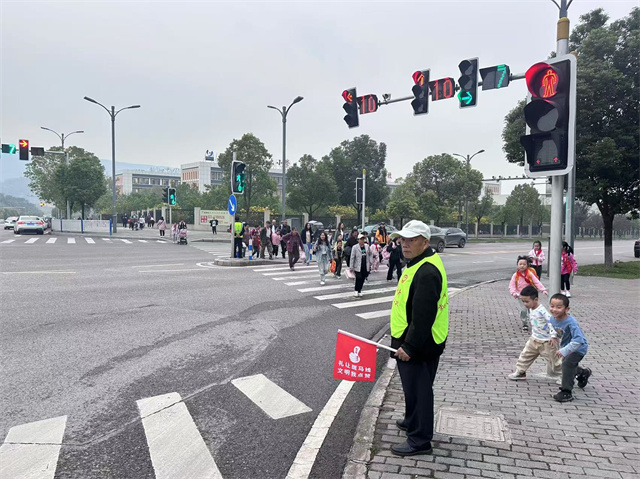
(377, 291)
(73, 240)
(175, 445)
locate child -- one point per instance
(540, 343)
(569, 266)
(536, 255)
(337, 255)
(174, 232)
(375, 255)
(573, 347)
(522, 278)
(275, 241)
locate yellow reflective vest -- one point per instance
(399, 322)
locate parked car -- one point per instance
(636, 248)
(437, 239)
(10, 222)
(29, 224)
(454, 237)
(47, 222)
(371, 230)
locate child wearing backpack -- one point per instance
(523, 277)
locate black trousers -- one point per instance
(570, 367)
(360, 277)
(417, 383)
(538, 270)
(338, 265)
(237, 247)
(565, 282)
(398, 266)
(283, 247)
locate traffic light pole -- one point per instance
(557, 182)
(364, 196)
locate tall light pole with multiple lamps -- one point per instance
(112, 113)
(62, 137)
(468, 159)
(283, 113)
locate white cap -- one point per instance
(412, 229)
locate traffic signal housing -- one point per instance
(420, 89)
(359, 191)
(171, 196)
(468, 82)
(550, 116)
(238, 177)
(351, 107)
(24, 150)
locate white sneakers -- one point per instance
(568, 294)
(355, 294)
(322, 283)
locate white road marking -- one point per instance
(306, 457)
(90, 241)
(157, 265)
(288, 271)
(31, 241)
(296, 283)
(305, 273)
(8, 241)
(271, 398)
(71, 241)
(477, 262)
(346, 284)
(142, 241)
(366, 302)
(106, 239)
(375, 314)
(38, 272)
(171, 270)
(175, 444)
(262, 269)
(125, 240)
(30, 451)
(52, 240)
(346, 295)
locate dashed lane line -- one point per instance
(271, 398)
(30, 451)
(175, 445)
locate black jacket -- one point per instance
(395, 253)
(422, 307)
(285, 229)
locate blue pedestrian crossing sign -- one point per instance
(233, 205)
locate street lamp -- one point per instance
(468, 159)
(62, 136)
(283, 113)
(112, 113)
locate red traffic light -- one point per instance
(543, 80)
(418, 78)
(348, 96)
(24, 143)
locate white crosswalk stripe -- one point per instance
(271, 398)
(71, 241)
(52, 240)
(125, 240)
(106, 239)
(366, 302)
(90, 241)
(31, 241)
(9, 241)
(142, 241)
(346, 295)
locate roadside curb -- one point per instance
(360, 453)
(240, 262)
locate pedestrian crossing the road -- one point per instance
(339, 293)
(176, 446)
(20, 240)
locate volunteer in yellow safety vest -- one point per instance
(237, 238)
(419, 328)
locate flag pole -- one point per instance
(367, 341)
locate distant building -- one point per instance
(199, 174)
(135, 181)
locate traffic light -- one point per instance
(420, 91)
(497, 76)
(238, 177)
(171, 196)
(24, 150)
(359, 191)
(468, 83)
(9, 149)
(37, 151)
(550, 115)
(351, 107)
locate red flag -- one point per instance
(355, 359)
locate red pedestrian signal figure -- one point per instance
(549, 83)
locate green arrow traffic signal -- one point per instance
(466, 97)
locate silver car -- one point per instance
(10, 222)
(29, 224)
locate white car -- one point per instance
(31, 224)
(10, 222)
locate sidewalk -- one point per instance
(596, 435)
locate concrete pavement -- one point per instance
(596, 435)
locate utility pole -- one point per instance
(364, 196)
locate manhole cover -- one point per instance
(485, 427)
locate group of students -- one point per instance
(556, 337)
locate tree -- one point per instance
(607, 124)
(523, 204)
(346, 162)
(481, 208)
(252, 152)
(403, 203)
(310, 185)
(82, 181)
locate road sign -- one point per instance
(233, 205)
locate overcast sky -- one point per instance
(204, 72)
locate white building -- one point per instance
(135, 181)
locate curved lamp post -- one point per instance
(112, 113)
(283, 113)
(468, 159)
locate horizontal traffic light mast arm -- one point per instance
(512, 77)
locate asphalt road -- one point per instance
(89, 329)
